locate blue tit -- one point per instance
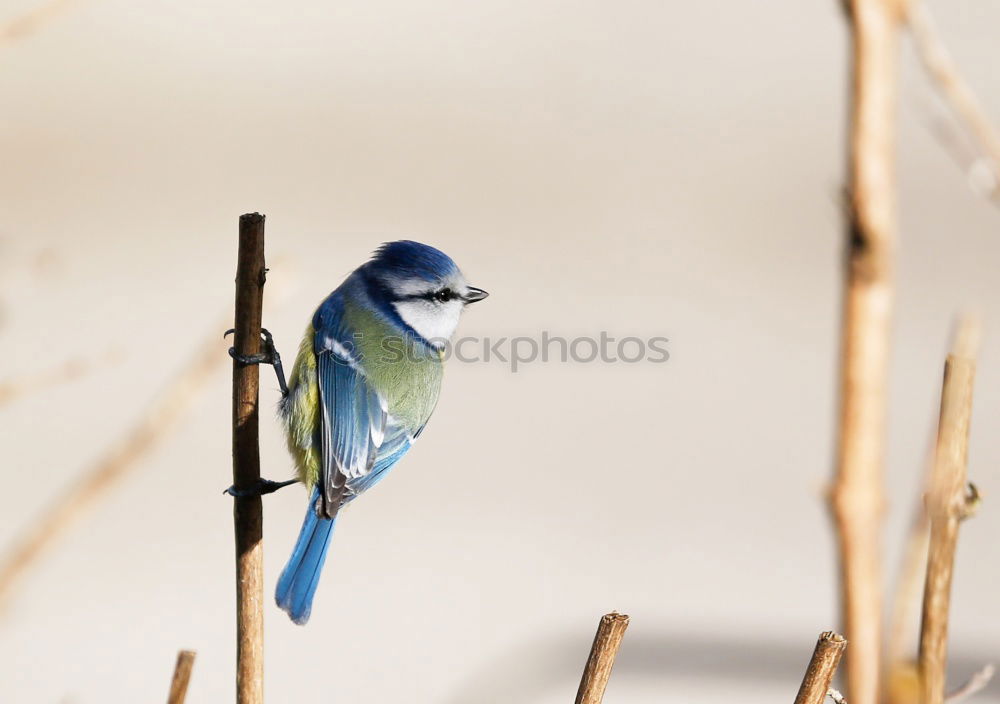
(364, 385)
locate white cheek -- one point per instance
(431, 321)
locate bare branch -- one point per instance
(248, 511)
(856, 499)
(608, 639)
(822, 666)
(182, 676)
(946, 507)
(966, 338)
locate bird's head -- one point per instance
(424, 286)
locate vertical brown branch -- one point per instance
(609, 636)
(945, 508)
(247, 510)
(901, 665)
(822, 667)
(857, 495)
(182, 675)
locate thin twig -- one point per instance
(966, 339)
(836, 696)
(151, 429)
(974, 685)
(609, 636)
(182, 675)
(953, 87)
(856, 498)
(248, 510)
(823, 664)
(946, 507)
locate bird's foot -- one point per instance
(268, 356)
(263, 486)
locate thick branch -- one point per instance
(609, 636)
(822, 666)
(857, 495)
(946, 509)
(247, 510)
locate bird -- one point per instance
(364, 384)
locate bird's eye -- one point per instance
(444, 295)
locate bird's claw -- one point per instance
(268, 356)
(263, 486)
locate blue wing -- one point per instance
(397, 441)
(360, 441)
(353, 427)
(354, 415)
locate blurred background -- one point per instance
(642, 168)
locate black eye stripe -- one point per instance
(442, 296)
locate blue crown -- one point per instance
(409, 259)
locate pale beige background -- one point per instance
(639, 167)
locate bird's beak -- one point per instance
(473, 294)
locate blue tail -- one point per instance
(298, 580)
